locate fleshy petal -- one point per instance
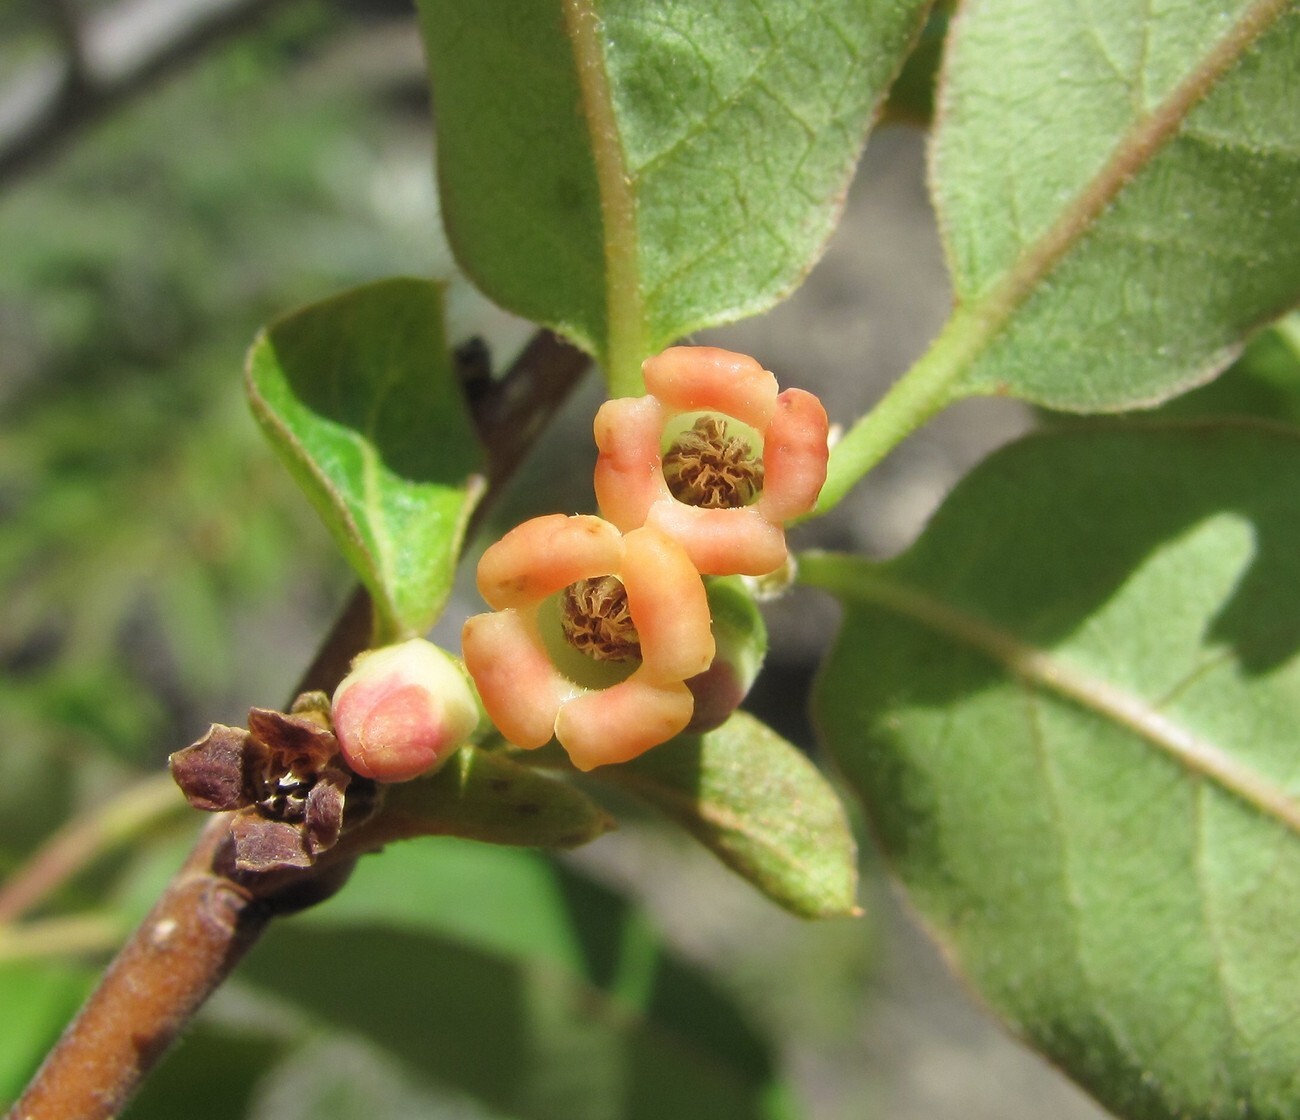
(794, 456)
(668, 605)
(705, 378)
(541, 556)
(629, 471)
(520, 688)
(622, 722)
(722, 542)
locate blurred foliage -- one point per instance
(146, 527)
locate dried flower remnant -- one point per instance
(283, 777)
(593, 635)
(714, 456)
(402, 711)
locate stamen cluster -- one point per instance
(708, 499)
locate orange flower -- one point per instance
(713, 456)
(593, 635)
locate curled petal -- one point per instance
(221, 771)
(706, 378)
(669, 605)
(520, 687)
(722, 542)
(629, 470)
(622, 722)
(541, 556)
(795, 452)
(268, 845)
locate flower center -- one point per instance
(708, 468)
(596, 620)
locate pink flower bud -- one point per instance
(402, 711)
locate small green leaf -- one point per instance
(358, 397)
(760, 806)
(1117, 189)
(1071, 711)
(483, 795)
(505, 976)
(628, 173)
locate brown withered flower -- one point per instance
(284, 779)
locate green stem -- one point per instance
(924, 390)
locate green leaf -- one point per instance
(1264, 382)
(503, 975)
(483, 795)
(358, 397)
(627, 173)
(1117, 188)
(761, 806)
(1070, 709)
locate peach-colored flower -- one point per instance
(725, 486)
(593, 635)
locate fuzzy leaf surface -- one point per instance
(1116, 186)
(1070, 710)
(761, 806)
(358, 396)
(627, 173)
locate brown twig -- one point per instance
(211, 914)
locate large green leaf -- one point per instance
(1116, 183)
(627, 173)
(358, 396)
(1264, 382)
(1071, 709)
(761, 806)
(503, 975)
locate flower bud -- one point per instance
(741, 638)
(402, 711)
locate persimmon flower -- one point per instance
(593, 636)
(714, 456)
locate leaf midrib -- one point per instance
(624, 342)
(933, 382)
(855, 581)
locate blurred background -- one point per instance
(174, 174)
